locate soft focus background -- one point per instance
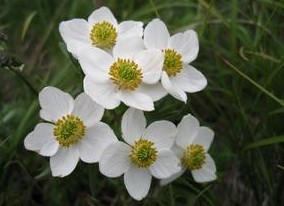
(242, 56)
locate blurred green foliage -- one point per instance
(248, 122)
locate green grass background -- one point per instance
(242, 56)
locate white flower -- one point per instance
(146, 154)
(180, 49)
(131, 75)
(101, 30)
(191, 145)
(75, 131)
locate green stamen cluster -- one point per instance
(68, 130)
(143, 153)
(193, 157)
(125, 74)
(103, 35)
(172, 62)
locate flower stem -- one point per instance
(172, 200)
(24, 79)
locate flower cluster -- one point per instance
(123, 62)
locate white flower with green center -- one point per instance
(74, 132)
(191, 146)
(131, 75)
(101, 30)
(178, 77)
(146, 153)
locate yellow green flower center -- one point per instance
(125, 74)
(172, 62)
(103, 35)
(193, 157)
(143, 153)
(68, 130)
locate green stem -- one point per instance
(155, 8)
(172, 196)
(23, 78)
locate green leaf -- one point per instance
(27, 24)
(265, 142)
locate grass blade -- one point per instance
(265, 142)
(272, 96)
(27, 24)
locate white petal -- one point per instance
(186, 44)
(115, 160)
(187, 130)
(102, 14)
(204, 137)
(41, 140)
(165, 165)
(54, 104)
(75, 34)
(128, 29)
(190, 79)
(162, 133)
(137, 182)
(102, 93)
(136, 100)
(178, 150)
(96, 140)
(155, 91)
(95, 63)
(156, 35)
(166, 181)
(175, 91)
(133, 125)
(151, 64)
(87, 110)
(207, 173)
(126, 47)
(64, 161)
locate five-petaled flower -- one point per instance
(101, 31)
(74, 131)
(131, 75)
(179, 50)
(146, 153)
(191, 146)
